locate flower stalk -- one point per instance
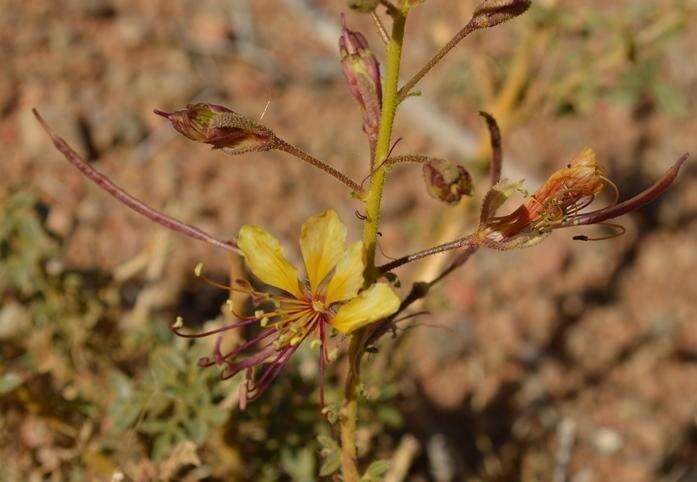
(488, 14)
(373, 202)
(295, 151)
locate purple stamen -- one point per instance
(259, 357)
(273, 371)
(248, 344)
(239, 324)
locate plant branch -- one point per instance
(304, 156)
(464, 32)
(458, 243)
(122, 196)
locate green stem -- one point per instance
(389, 108)
(373, 202)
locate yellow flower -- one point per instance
(329, 296)
(334, 278)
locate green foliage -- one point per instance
(331, 452)
(174, 401)
(375, 471)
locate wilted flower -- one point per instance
(446, 180)
(222, 128)
(559, 204)
(362, 71)
(329, 298)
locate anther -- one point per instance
(178, 323)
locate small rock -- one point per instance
(607, 441)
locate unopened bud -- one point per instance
(222, 128)
(362, 71)
(364, 6)
(446, 181)
(494, 12)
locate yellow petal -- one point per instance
(373, 304)
(322, 243)
(348, 276)
(265, 259)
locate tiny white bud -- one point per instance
(198, 270)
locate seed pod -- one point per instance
(363, 6)
(222, 128)
(362, 71)
(493, 12)
(446, 181)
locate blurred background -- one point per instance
(564, 362)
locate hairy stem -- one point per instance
(302, 155)
(406, 90)
(458, 243)
(374, 197)
(370, 233)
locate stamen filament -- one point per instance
(621, 230)
(239, 324)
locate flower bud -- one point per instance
(222, 128)
(363, 6)
(493, 12)
(446, 181)
(362, 72)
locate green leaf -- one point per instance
(300, 466)
(376, 470)
(328, 443)
(162, 446)
(390, 416)
(331, 464)
(10, 381)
